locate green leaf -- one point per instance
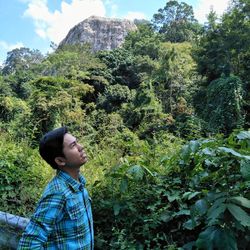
(164, 159)
(216, 238)
(194, 146)
(190, 224)
(200, 207)
(243, 135)
(173, 197)
(186, 195)
(239, 214)
(219, 201)
(166, 216)
(208, 151)
(245, 169)
(212, 196)
(244, 202)
(147, 170)
(136, 171)
(215, 212)
(231, 151)
(190, 195)
(116, 208)
(183, 212)
(124, 185)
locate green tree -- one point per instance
(223, 110)
(56, 101)
(176, 22)
(5, 89)
(113, 97)
(144, 114)
(20, 67)
(21, 59)
(144, 41)
(77, 62)
(224, 48)
(121, 67)
(175, 76)
(212, 54)
(144, 44)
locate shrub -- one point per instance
(202, 199)
(23, 175)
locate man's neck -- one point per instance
(73, 172)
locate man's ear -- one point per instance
(60, 161)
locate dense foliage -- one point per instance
(164, 121)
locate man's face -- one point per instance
(74, 154)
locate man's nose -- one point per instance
(80, 147)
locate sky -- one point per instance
(36, 23)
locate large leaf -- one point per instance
(244, 202)
(190, 224)
(219, 201)
(194, 146)
(116, 208)
(200, 207)
(166, 216)
(190, 195)
(183, 212)
(136, 171)
(124, 185)
(216, 238)
(239, 214)
(208, 151)
(174, 196)
(244, 135)
(233, 152)
(215, 212)
(245, 169)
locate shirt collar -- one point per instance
(75, 185)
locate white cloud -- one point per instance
(204, 6)
(8, 47)
(135, 15)
(55, 25)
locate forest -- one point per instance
(164, 121)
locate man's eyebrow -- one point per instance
(72, 143)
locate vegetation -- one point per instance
(164, 121)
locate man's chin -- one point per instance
(85, 160)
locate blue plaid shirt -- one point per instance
(63, 217)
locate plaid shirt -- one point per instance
(63, 217)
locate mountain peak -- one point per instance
(101, 33)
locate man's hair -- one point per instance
(51, 145)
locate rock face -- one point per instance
(102, 33)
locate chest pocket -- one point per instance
(75, 209)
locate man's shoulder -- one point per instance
(57, 186)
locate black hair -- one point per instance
(51, 146)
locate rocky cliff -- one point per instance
(102, 33)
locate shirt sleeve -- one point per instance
(48, 212)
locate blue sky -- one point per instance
(35, 23)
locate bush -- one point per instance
(200, 199)
(23, 175)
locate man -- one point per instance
(63, 217)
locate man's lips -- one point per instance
(83, 155)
